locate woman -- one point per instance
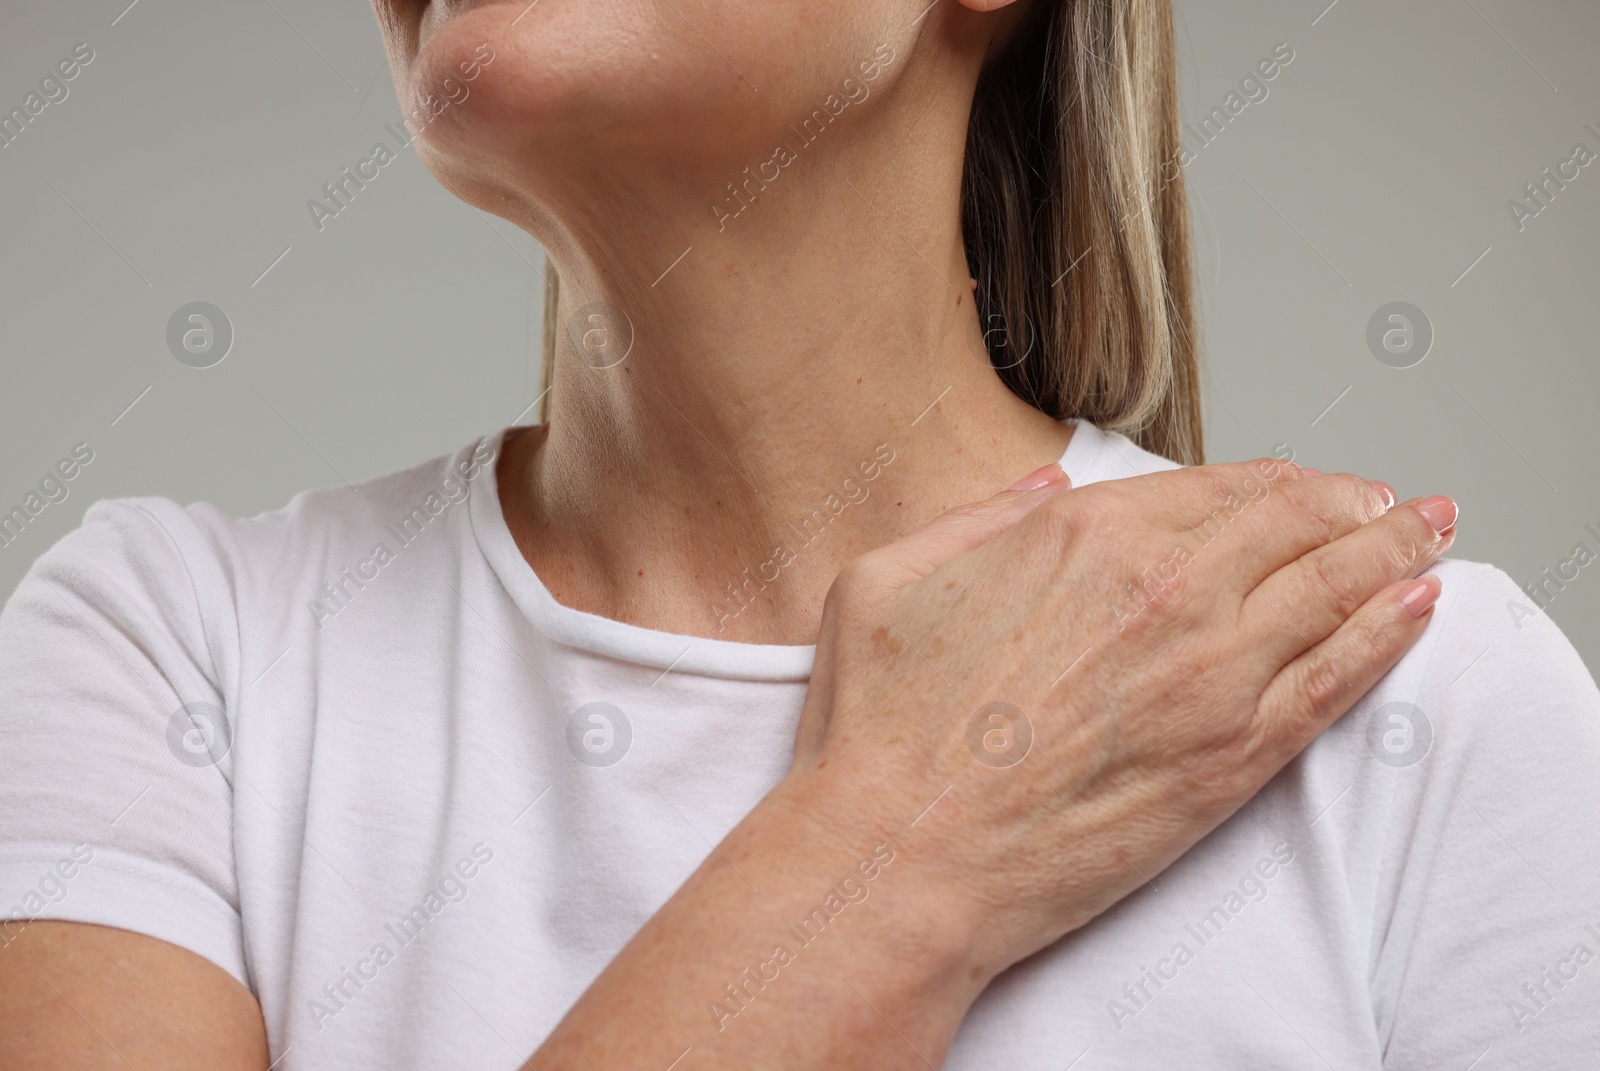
(524, 756)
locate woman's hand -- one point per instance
(1065, 689)
(1164, 644)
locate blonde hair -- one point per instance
(1075, 223)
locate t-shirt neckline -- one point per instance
(653, 648)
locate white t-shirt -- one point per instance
(348, 750)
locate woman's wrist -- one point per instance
(811, 911)
(923, 919)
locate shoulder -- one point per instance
(149, 536)
(329, 520)
(1491, 622)
(1492, 670)
(1468, 825)
(144, 566)
(1470, 766)
(1488, 653)
(1501, 676)
(1485, 629)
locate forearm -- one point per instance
(740, 969)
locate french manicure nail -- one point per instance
(1440, 511)
(1386, 491)
(1040, 477)
(1418, 596)
(1309, 472)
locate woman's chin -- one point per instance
(477, 80)
(577, 80)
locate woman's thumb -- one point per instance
(968, 527)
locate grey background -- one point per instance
(1378, 169)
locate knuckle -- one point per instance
(1381, 632)
(1241, 778)
(1216, 481)
(1322, 685)
(1406, 542)
(1358, 499)
(1365, 498)
(1340, 586)
(1160, 591)
(1316, 508)
(1173, 586)
(1415, 538)
(1276, 469)
(1270, 470)
(1066, 516)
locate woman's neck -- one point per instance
(718, 492)
(715, 480)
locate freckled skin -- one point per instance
(882, 638)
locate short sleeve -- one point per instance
(1491, 955)
(116, 804)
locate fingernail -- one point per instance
(1440, 511)
(1309, 472)
(1386, 491)
(1417, 596)
(1040, 477)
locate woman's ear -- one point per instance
(999, 28)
